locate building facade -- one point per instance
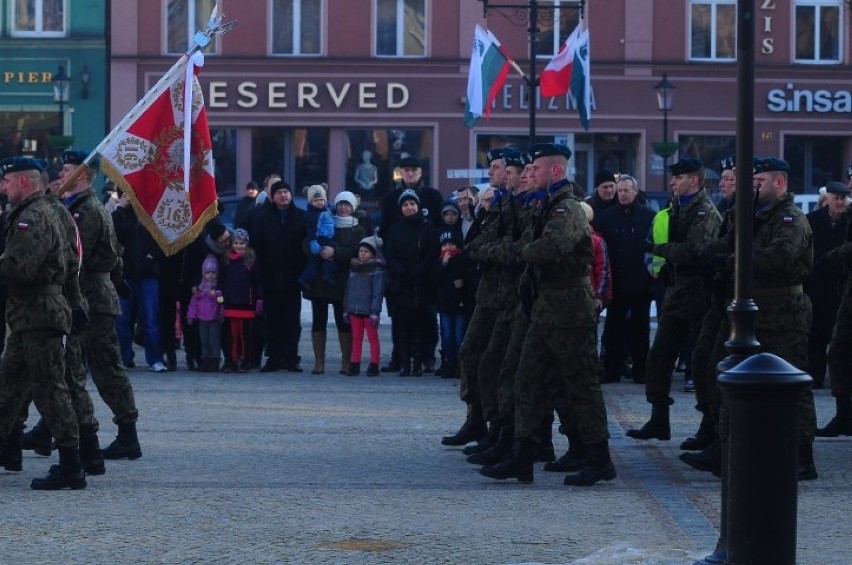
(37, 39)
(320, 89)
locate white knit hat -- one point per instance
(346, 196)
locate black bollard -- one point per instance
(762, 395)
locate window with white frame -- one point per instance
(713, 30)
(297, 27)
(183, 19)
(400, 28)
(818, 27)
(556, 20)
(44, 18)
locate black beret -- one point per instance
(410, 161)
(603, 176)
(770, 164)
(836, 187)
(18, 164)
(548, 150)
(515, 159)
(493, 154)
(78, 158)
(686, 165)
(727, 163)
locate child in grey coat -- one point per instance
(362, 303)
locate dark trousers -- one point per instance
(627, 328)
(283, 313)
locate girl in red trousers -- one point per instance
(362, 303)
(243, 294)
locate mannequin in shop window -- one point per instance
(366, 174)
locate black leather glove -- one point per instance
(79, 319)
(123, 289)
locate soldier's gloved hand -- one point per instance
(79, 319)
(123, 289)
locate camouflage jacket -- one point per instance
(101, 252)
(560, 258)
(33, 266)
(494, 289)
(72, 253)
(693, 231)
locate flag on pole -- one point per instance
(581, 80)
(164, 161)
(489, 67)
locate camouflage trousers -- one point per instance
(668, 343)
(475, 340)
(840, 351)
(75, 379)
(489, 367)
(509, 368)
(703, 369)
(559, 366)
(100, 346)
(33, 365)
(786, 342)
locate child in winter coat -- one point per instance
(362, 303)
(243, 294)
(205, 309)
(320, 227)
(451, 276)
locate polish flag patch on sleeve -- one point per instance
(22, 226)
(788, 219)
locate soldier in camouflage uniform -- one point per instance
(783, 256)
(693, 228)
(34, 267)
(482, 321)
(101, 275)
(559, 355)
(840, 347)
(39, 438)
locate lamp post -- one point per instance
(61, 93)
(665, 97)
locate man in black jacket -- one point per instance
(276, 235)
(412, 178)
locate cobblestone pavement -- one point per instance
(297, 468)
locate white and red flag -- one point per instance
(164, 161)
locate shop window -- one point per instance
(818, 29)
(373, 155)
(814, 161)
(296, 27)
(224, 142)
(713, 30)
(42, 18)
(299, 155)
(556, 20)
(183, 19)
(400, 28)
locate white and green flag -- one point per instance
(489, 66)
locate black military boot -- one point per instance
(38, 439)
(11, 454)
(473, 429)
(486, 442)
(702, 438)
(68, 474)
(125, 445)
(497, 452)
(518, 465)
(90, 454)
(708, 459)
(806, 469)
(657, 427)
(546, 453)
(841, 424)
(572, 461)
(598, 467)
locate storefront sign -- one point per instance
(767, 44)
(822, 101)
(515, 97)
(27, 77)
(304, 95)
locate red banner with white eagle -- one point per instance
(166, 168)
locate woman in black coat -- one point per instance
(410, 251)
(348, 233)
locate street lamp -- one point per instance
(665, 96)
(61, 93)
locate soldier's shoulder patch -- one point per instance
(701, 214)
(560, 211)
(22, 226)
(76, 216)
(787, 219)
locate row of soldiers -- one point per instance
(61, 265)
(531, 344)
(535, 304)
